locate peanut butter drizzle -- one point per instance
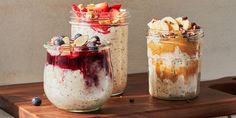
(169, 46)
(165, 71)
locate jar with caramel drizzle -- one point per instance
(174, 60)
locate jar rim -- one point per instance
(166, 33)
(197, 30)
(77, 17)
(77, 48)
(127, 13)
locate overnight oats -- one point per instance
(174, 58)
(111, 25)
(78, 73)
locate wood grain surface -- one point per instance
(217, 98)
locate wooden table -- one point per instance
(216, 98)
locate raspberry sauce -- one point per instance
(90, 63)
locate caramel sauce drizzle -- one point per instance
(165, 71)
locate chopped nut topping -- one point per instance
(185, 18)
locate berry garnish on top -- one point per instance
(57, 40)
(101, 7)
(102, 11)
(75, 8)
(100, 16)
(116, 6)
(67, 45)
(96, 40)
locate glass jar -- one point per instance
(112, 29)
(78, 79)
(174, 62)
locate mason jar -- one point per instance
(174, 62)
(112, 29)
(78, 79)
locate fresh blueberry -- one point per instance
(77, 36)
(92, 46)
(36, 101)
(96, 37)
(59, 41)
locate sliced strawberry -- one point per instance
(75, 7)
(104, 15)
(101, 7)
(104, 29)
(84, 9)
(116, 6)
(114, 13)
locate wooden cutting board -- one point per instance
(216, 98)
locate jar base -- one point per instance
(176, 98)
(116, 94)
(83, 111)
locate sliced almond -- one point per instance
(66, 40)
(89, 15)
(53, 40)
(104, 22)
(115, 21)
(65, 49)
(90, 7)
(173, 25)
(80, 41)
(80, 6)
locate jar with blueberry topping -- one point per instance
(77, 73)
(110, 23)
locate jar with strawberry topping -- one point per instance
(110, 23)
